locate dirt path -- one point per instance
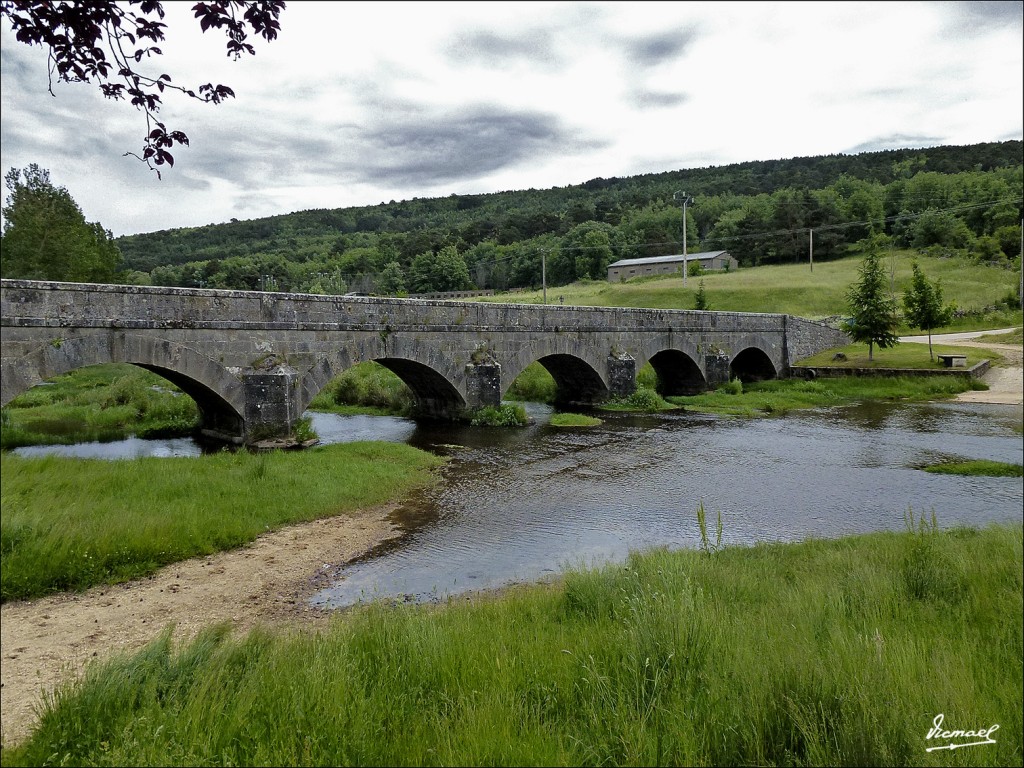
(45, 641)
(1005, 381)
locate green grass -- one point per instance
(980, 467)
(573, 420)
(1013, 337)
(69, 524)
(794, 289)
(643, 399)
(903, 355)
(98, 403)
(534, 385)
(816, 653)
(505, 415)
(365, 388)
(780, 396)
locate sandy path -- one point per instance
(1005, 381)
(45, 641)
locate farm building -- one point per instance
(668, 265)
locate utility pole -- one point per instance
(811, 233)
(544, 272)
(687, 200)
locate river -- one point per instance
(522, 504)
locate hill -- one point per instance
(957, 198)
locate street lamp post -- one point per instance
(687, 200)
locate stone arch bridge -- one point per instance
(253, 361)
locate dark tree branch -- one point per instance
(102, 42)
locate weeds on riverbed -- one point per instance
(815, 653)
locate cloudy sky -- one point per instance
(362, 103)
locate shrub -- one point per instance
(505, 415)
(732, 387)
(645, 399)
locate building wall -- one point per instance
(619, 274)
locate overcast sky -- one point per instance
(362, 103)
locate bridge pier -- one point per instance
(271, 404)
(717, 371)
(621, 375)
(483, 385)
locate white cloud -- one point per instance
(358, 103)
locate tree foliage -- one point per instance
(105, 42)
(443, 271)
(874, 319)
(46, 237)
(701, 298)
(923, 307)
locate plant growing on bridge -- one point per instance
(701, 299)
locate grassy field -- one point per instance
(815, 653)
(71, 523)
(797, 290)
(903, 355)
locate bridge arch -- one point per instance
(579, 374)
(434, 384)
(577, 381)
(752, 364)
(435, 394)
(218, 394)
(678, 373)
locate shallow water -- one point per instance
(521, 505)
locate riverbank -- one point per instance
(80, 523)
(50, 640)
(735, 656)
(1005, 381)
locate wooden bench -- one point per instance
(953, 361)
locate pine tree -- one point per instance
(702, 298)
(873, 311)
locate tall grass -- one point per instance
(98, 403)
(817, 653)
(72, 523)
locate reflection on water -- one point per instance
(521, 504)
(131, 448)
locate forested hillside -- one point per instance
(957, 200)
